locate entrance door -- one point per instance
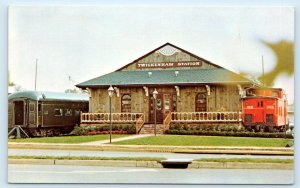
(19, 112)
(166, 102)
(159, 114)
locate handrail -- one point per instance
(105, 117)
(206, 117)
(139, 124)
(167, 122)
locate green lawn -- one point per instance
(184, 140)
(68, 139)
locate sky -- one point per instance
(86, 42)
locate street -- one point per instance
(36, 152)
(94, 174)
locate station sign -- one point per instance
(169, 64)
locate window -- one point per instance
(68, 112)
(40, 108)
(248, 118)
(260, 103)
(174, 103)
(77, 112)
(200, 102)
(126, 103)
(58, 112)
(270, 118)
(10, 108)
(31, 107)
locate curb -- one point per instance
(153, 164)
(168, 149)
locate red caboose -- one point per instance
(265, 109)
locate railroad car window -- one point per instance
(10, 107)
(126, 103)
(68, 112)
(40, 107)
(261, 103)
(77, 112)
(31, 107)
(58, 112)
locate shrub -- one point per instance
(78, 131)
(231, 133)
(185, 127)
(177, 126)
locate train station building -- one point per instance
(183, 86)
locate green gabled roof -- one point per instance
(166, 77)
(49, 96)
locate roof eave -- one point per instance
(163, 84)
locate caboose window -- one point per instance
(270, 118)
(68, 112)
(58, 112)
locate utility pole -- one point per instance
(263, 70)
(36, 62)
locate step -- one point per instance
(152, 125)
(149, 129)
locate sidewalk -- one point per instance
(154, 164)
(153, 148)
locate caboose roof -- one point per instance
(166, 77)
(49, 96)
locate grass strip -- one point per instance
(189, 140)
(68, 139)
(87, 158)
(246, 160)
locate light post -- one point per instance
(155, 93)
(110, 94)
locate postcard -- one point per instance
(151, 95)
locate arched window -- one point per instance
(126, 103)
(200, 102)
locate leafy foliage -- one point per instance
(104, 129)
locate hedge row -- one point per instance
(208, 127)
(231, 133)
(103, 129)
